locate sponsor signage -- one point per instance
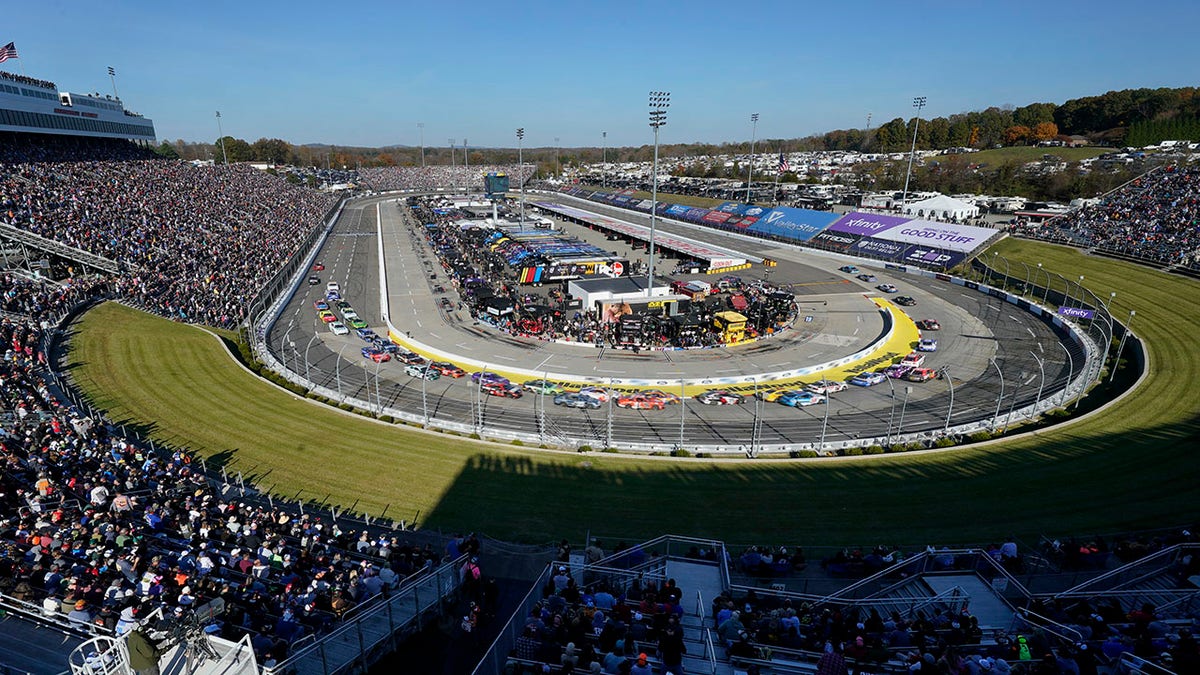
(717, 217)
(962, 238)
(1076, 312)
(879, 247)
(676, 210)
(866, 224)
(795, 224)
(751, 210)
(933, 257)
(695, 214)
(729, 207)
(722, 263)
(836, 240)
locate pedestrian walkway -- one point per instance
(992, 610)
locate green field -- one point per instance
(1025, 154)
(1129, 467)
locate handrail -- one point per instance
(711, 650)
(1124, 569)
(881, 574)
(700, 606)
(35, 613)
(1023, 613)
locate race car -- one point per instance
(905, 301)
(342, 304)
(896, 371)
(639, 402)
(326, 316)
(502, 389)
(314, 281)
(423, 372)
(913, 360)
(720, 397)
(348, 312)
(338, 328)
(665, 397)
(826, 387)
(366, 334)
(542, 387)
(410, 358)
(332, 296)
(487, 377)
(927, 345)
(773, 395)
(888, 288)
(921, 375)
(869, 278)
(929, 324)
(448, 369)
(867, 379)
(320, 305)
(598, 393)
(319, 267)
(356, 323)
(376, 355)
(797, 399)
(848, 269)
(576, 400)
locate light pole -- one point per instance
(283, 345)
(451, 142)
(1070, 373)
(1046, 295)
(557, 161)
(604, 160)
(753, 136)
(825, 421)
(903, 407)
(757, 420)
(918, 103)
(337, 367)
(112, 76)
(521, 168)
(659, 102)
(424, 399)
(466, 155)
(996, 417)
(421, 130)
(378, 395)
(950, 410)
(892, 416)
(1120, 350)
(306, 348)
(608, 395)
(682, 411)
(221, 135)
(1013, 403)
(1041, 383)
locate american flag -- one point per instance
(8, 51)
(783, 163)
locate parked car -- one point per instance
(888, 288)
(720, 397)
(921, 374)
(929, 324)
(798, 399)
(574, 399)
(905, 301)
(826, 387)
(927, 345)
(868, 379)
(639, 402)
(448, 369)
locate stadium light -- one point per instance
(466, 155)
(337, 371)
(557, 163)
(1070, 372)
(825, 421)
(903, 407)
(1041, 383)
(659, 102)
(112, 76)
(1120, 348)
(520, 168)
(421, 130)
(950, 410)
(451, 142)
(918, 103)
(996, 417)
(892, 415)
(221, 135)
(604, 175)
(753, 135)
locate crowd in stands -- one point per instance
(40, 299)
(21, 79)
(1156, 218)
(440, 176)
(196, 243)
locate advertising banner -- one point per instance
(695, 214)
(866, 224)
(879, 248)
(717, 217)
(795, 224)
(933, 257)
(1076, 313)
(729, 207)
(962, 238)
(676, 210)
(751, 211)
(834, 240)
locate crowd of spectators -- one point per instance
(40, 299)
(196, 243)
(1155, 217)
(440, 176)
(21, 79)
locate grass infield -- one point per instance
(1129, 467)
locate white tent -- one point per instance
(941, 207)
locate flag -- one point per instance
(8, 51)
(783, 163)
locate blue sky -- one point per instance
(366, 73)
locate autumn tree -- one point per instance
(1045, 131)
(1017, 134)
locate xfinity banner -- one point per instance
(1077, 313)
(866, 224)
(964, 238)
(795, 224)
(879, 248)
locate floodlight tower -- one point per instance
(753, 135)
(421, 129)
(659, 102)
(918, 103)
(520, 168)
(221, 135)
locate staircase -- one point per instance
(700, 582)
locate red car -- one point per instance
(503, 390)
(319, 267)
(448, 369)
(640, 402)
(929, 324)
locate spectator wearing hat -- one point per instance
(641, 666)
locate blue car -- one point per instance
(927, 345)
(366, 334)
(799, 399)
(867, 379)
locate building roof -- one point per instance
(940, 203)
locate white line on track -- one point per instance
(544, 362)
(506, 358)
(601, 370)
